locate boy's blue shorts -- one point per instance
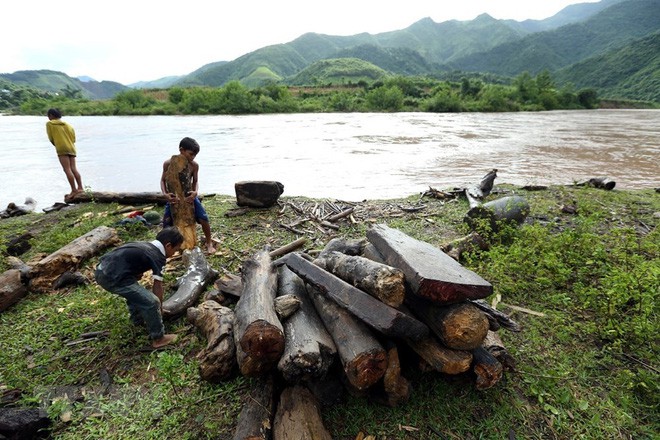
(200, 214)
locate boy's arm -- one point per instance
(190, 197)
(163, 185)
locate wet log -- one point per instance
(502, 319)
(470, 243)
(217, 360)
(13, 288)
(259, 335)
(191, 285)
(178, 181)
(395, 388)
(487, 369)
(70, 257)
(378, 315)
(484, 187)
(429, 272)
(460, 326)
(377, 279)
(123, 198)
(506, 210)
(440, 358)
(363, 358)
(600, 182)
(298, 416)
(258, 193)
(308, 347)
(494, 345)
(255, 420)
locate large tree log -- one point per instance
(217, 360)
(378, 315)
(440, 358)
(362, 357)
(379, 280)
(487, 369)
(258, 194)
(460, 326)
(255, 422)
(13, 288)
(70, 257)
(308, 348)
(191, 285)
(124, 198)
(298, 416)
(259, 335)
(429, 272)
(345, 246)
(178, 181)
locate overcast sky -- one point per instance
(143, 40)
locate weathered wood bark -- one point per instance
(191, 285)
(395, 388)
(259, 335)
(258, 193)
(13, 288)
(24, 423)
(506, 210)
(429, 272)
(178, 181)
(363, 358)
(494, 345)
(230, 284)
(469, 243)
(124, 198)
(255, 422)
(440, 358)
(377, 279)
(70, 257)
(217, 360)
(285, 306)
(369, 251)
(460, 326)
(487, 369)
(345, 246)
(378, 315)
(484, 187)
(501, 318)
(298, 416)
(308, 348)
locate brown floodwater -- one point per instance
(350, 156)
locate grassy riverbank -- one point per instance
(587, 358)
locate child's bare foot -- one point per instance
(165, 340)
(210, 248)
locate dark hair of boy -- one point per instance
(55, 113)
(170, 235)
(189, 144)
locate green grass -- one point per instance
(586, 369)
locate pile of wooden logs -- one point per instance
(365, 311)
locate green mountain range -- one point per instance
(611, 46)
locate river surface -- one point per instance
(352, 156)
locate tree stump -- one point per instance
(178, 181)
